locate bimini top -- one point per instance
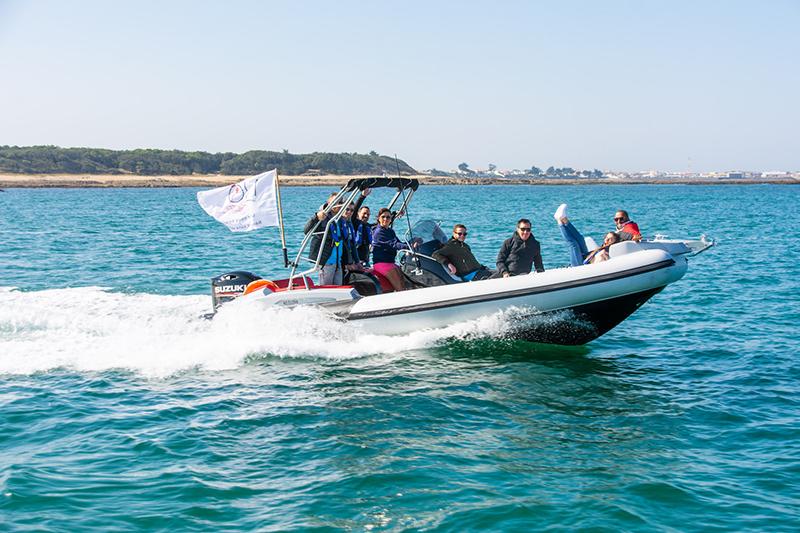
(374, 183)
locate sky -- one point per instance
(616, 85)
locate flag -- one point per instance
(244, 206)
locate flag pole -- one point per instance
(280, 220)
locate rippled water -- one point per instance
(121, 410)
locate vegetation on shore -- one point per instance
(147, 162)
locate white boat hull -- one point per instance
(592, 299)
(601, 295)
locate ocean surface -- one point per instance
(122, 410)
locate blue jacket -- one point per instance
(385, 245)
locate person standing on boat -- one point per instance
(363, 228)
(363, 234)
(330, 262)
(520, 252)
(627, 229)
(457, 257)
(349, 256)
(385, 245)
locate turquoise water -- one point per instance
(121, 410)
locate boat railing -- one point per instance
(327, 208)
(345, 196)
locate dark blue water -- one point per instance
(121, 410)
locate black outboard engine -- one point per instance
(229, 286)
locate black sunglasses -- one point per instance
(461, 233)
(619, 219)
(524, 229)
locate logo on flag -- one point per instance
(245, 206)
(236, 193)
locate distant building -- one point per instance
(775, 174)
(735, 175)
(435, 172)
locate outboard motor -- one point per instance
(229, 286)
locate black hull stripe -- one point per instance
(512, 294)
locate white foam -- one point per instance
(92, 329)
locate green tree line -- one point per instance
(148, 162)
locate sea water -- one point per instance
(121, 409)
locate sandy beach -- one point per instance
(8, 181)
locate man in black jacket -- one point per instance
(362, 228)
(520, 252)
(457, 257)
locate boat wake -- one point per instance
(92, 329)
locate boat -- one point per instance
(567, 306)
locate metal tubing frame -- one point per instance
(334, 219)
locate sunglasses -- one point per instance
(619, 219)
(524, 229)
(461, 234)
(385, 216)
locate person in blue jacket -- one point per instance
(385, 245)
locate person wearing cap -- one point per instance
(520, 252)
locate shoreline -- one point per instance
(75, 181)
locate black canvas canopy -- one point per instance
(374, 183)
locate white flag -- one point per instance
(244, 206)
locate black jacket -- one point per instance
(316, 240)
(363, 233)
(459, 254)
(517, 256)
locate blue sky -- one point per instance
(616, 85)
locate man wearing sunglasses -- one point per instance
(457, 257)
(520, 252)
(627, 229)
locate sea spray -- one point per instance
(94, 329)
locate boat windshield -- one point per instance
(427, 230)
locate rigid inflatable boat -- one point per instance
(571, 305)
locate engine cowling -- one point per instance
(230, 286)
